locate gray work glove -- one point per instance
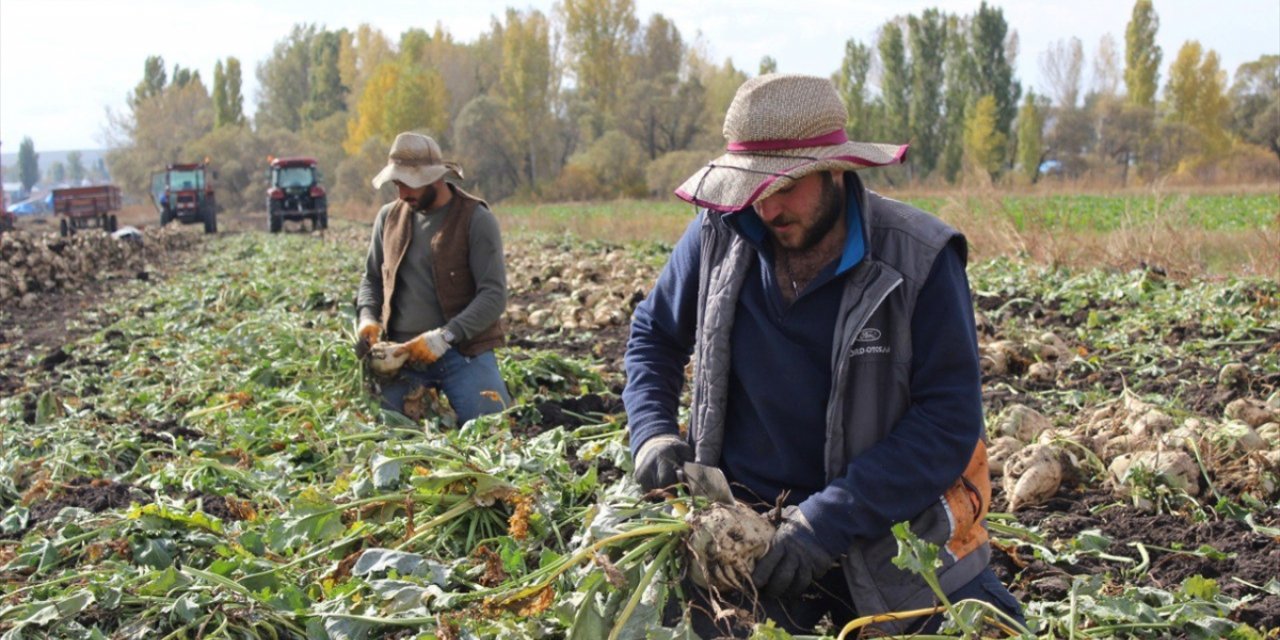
(659, 458)
(794, 560)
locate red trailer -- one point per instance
(85, 207)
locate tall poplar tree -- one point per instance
(894, 84)
(1031, 136)
(851, 83)
(228, 104)
(28, 164)
(326, 95)
(927, 40)
(1142, 55)
(221, 113)
(984, 143)
(959, 74)
(233, 85)
(993, 70)
(153, 81)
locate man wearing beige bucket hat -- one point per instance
(434, 287)
(837, 369)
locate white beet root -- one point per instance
(1033, 474)
(724, 543)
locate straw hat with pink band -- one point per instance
(779, 128)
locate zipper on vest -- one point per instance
(838, 380)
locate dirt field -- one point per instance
(1133, 547)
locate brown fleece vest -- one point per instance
(450, 265)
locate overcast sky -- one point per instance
(64, 62)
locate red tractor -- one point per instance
(295, 193)
(184, 192)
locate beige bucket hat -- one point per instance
(779, 128)
(416, 161)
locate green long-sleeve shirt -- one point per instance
(415, 308)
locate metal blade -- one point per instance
(707, 481)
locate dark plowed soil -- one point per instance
(94, 495)
(214, 505)
(1177, 547)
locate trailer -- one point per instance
(86, 207)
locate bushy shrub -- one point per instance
(669, 170)
(614, 162)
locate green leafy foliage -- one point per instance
(258, 491)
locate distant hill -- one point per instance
(46, 158)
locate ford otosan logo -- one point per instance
(868, 335)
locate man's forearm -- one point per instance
(369, 297)
(483, 310)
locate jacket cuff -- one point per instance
(639, 436)
(831, 539)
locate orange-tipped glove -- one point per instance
(369, 332)
(385, 359)
(426, 348)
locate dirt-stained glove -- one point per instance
(385, 358)
(368, 332)
(794, 560)
(658, 460)
(426, 348)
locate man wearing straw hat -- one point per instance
(434, 286)
(837, 369)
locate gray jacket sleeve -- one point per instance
(488, 267)
(369, 296)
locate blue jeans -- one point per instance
(473, 385)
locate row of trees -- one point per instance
(1120, 123)
(589, 102)
(73, 171)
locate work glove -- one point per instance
(794, 560)
(426, 348)
(658, 460)
(369, 332)
(385, 358)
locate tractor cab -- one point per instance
(183, 192)
(294, 192)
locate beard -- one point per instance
(830, 206)
(424, 201)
